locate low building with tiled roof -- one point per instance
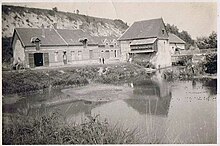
(176, 43)
(146, 41)
(54, 47)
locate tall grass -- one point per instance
(31, 80)
(51, 129)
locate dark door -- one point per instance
(38, 59)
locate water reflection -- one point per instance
(151, 96)
(154, 106)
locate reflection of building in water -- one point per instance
(151, 97)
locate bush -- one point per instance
(146, 64)
(51, 129)
(211, 63)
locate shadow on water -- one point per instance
(149, 97)
(166, 104)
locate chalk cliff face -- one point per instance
(14, 16)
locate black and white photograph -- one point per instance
(109, 72)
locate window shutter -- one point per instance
(31, 60)
(46, 59)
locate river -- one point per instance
(170, 112)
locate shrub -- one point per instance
(146, 64)
(211, 63)
(52, 129)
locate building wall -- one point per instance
(18, 49)
(75, 54)
(173, 46)
(163, 56)
(125, 49)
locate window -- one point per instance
(107, 54)
(73, 55)
(80, 55)
(37, 45)
(56, 56)
(115, 53)
(163, 31)
(111, 45)
(90, 54)
(85, 43)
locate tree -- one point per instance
(77, 11)
(207, 42)
(184, 35)
(55, 9)
(213, 40)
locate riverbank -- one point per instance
(32, 80)
(52, 129)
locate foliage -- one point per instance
(190, 69)
(184, 60)
(51, 12)
(211, 63)
(77, 11)
(51, 129)
(146, 64)
(55, 9)
(184, 35)
(207, 42)
(28, 80)
(7, 52)
(122, 24)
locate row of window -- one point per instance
(78, 55)
(148, 47)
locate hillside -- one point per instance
(15, 16)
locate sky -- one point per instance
(197, 18)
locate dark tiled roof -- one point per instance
(145, 29)
(57, 37)
(100, 39)
(72, 37)
(51, 37)
(175, 39)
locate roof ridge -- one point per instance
(149, 20)
(61, 37)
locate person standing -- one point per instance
(64, 58)
(103, 60)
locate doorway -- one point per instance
(38, 59)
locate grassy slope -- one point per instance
(31, 80)
(52, 129)
(15, 16)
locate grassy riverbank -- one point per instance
(51, 129)
(31, 80)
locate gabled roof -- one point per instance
(51, 37)
(145, 29)
(175, 39)
(73, 37)
(55, 37)
(101, 39)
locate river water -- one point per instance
(167, 112)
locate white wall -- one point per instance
(163, 56)
(18, 51)
(125, 48)
(174, 46)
